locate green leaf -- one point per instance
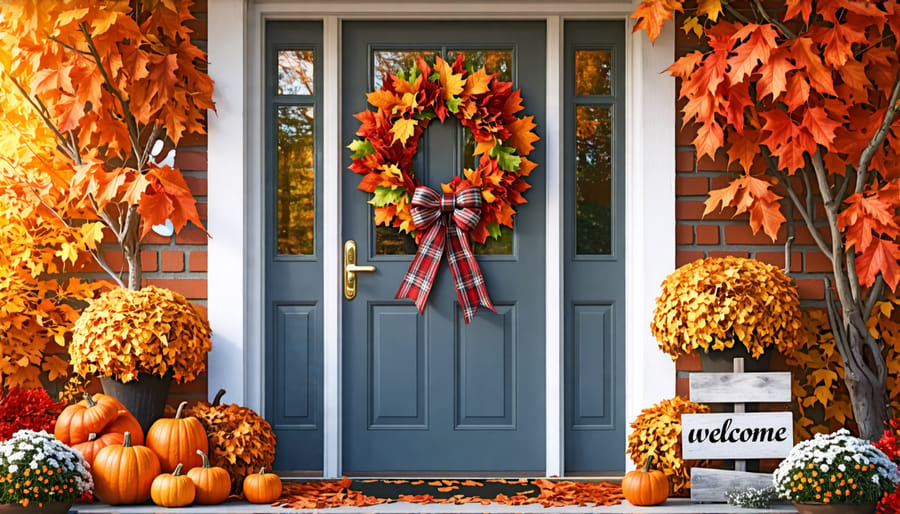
(387, 195)
(434, 76)
(414, 73)
(361, 148)
(494, 230)
(453, 104)
(507, 160)
(424, 115)
(401, 74)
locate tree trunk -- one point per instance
(131, 248)
(868, 402)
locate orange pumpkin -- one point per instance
(91, 415)
(645, 487)
(262, 487)
(124, 473)
(213, 483)
(95, 443)
(176, 440)
(172, 490)
(126, 422)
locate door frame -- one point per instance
(235, 150)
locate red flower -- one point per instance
(31, 409)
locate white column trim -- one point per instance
(229, 257)
(332, 239)
(555, 404)
(649, 214)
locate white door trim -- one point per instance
(236, 273)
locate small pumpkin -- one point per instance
(126, 422)
(173, 489)
(91, 415)
(645, 487)
(176, 440)
(95, 443)
(262, 487)
(124, 473)
(212, 482)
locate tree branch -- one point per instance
(804, 213)
(774, 21)
(875, 293)
(734, 12)
(41, 110)
(68, 46)
(889, 116)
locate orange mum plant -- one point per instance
(713, 303)
(125, 332)
(657, 430)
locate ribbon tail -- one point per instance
(419, 277)
(470, 287)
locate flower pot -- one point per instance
(835, 508)
(145, 397)
(47, 508)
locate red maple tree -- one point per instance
(110, 81)
(802, 96)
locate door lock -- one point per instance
(351, 269)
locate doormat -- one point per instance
(322, 494)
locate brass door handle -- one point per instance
(351, 269)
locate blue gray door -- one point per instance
(594, 195)
(428, 392)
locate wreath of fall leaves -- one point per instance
(154, 330)
(406, 104)
(714, 303)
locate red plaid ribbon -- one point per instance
(442, 218)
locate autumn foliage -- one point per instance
(90, 88)
(802, 99)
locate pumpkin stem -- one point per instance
(648, 462)
(205, 458)
(262, 470)
(218, 398)
(180, 409)
(126, 443)
(177, 471)
(92, 436)
(89, 399)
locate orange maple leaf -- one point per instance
(652, 14)
(521, 137)
(452, 84)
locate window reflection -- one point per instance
(393, 61)
(593, 179)
(295, 177)
(295, 72)
(593, 72)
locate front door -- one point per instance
(427, 392)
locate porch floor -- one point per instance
(674, 505)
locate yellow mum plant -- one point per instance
(714, 303)
(125, 332)
(657, 430)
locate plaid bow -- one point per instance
(446, 217)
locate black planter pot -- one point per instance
(144, 397)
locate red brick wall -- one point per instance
(720, 233)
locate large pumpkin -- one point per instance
(213, 483)
(240, 440)
(262, 487)
(126, 422)
(176, 440)
(89, 416)
(90, 448)
(172, 490)
(645, 487)
(124, 473)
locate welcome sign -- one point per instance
(731, 435)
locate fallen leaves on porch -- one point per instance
(549, 493)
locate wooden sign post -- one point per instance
(737, 435)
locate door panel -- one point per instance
(595, 246)
(293, 247)
(428, 392)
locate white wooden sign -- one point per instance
(740, 387)
(733, 435)
(710, 485)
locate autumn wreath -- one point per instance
(475, 206)
(406, 103)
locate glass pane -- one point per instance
(390, 241)
(296, 180)
(494, 61)
(593, 180)
(392, 61)
(593, 72)
(295, 72)
(500, 246)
